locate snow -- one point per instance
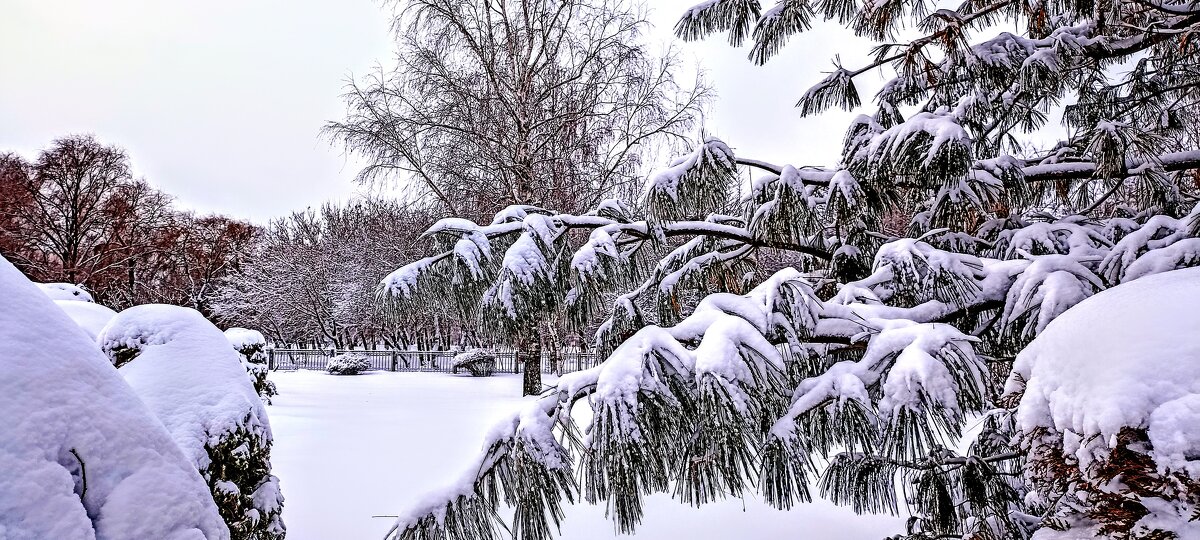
(188, 374)
(586, 260)
(1127, 356)
(473, 249)
(1050, 285)
(241, 338)
(90, 316)
(515, 213)
(941, 126)
(1183, 253)
(65, 291)
(668, 181)
(71, 422)
(350, 448)
(402, 282)
(525, 261)
(910, 357)
(523, 265)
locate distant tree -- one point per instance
(77, 215)
(16, 203)
(312, 278)
(196, 253)
(538, 102)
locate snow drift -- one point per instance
(65, 291)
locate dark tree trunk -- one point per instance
(529, 355)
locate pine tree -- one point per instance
(852, 373)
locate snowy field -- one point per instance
(350, 448)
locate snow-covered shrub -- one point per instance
(65, 291)
(251, 345)
(81, 456)
(348, 364)
(90, 316)
(478, 361)
(1110, 411)
(184, 369)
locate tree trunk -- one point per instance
(529, 355)
(555, 348)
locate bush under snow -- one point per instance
(348, 364)
(478, 361)
(81, 456)
(90, 316)
(1110, 393)
(65, 291)
(184, 368)
(251, 345)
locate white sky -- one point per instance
(219, 103)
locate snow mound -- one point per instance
(242, 338)
(1109, 382)
(251, 347)
(184, 368)
(1126, 357)
(348, 364)
(80, 456)
(65, 291)
(186, 372)
(90, 316)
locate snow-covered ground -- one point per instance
(351, 448)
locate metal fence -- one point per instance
(429, 361)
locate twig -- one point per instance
(82, 473)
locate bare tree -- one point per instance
(312, 278)
(518, 102)
(77, 214)
(15, 203)
(192, 255)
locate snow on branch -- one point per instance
(775, 26)
(931, 147)
(712, 16)
(837, 89)
(1045, 289)
(761, 389)
(1158, 232)
(695, 185)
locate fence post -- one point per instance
(393, 360)
(270, 359)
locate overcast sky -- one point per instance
(219, 103)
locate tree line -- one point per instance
(75, 213)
